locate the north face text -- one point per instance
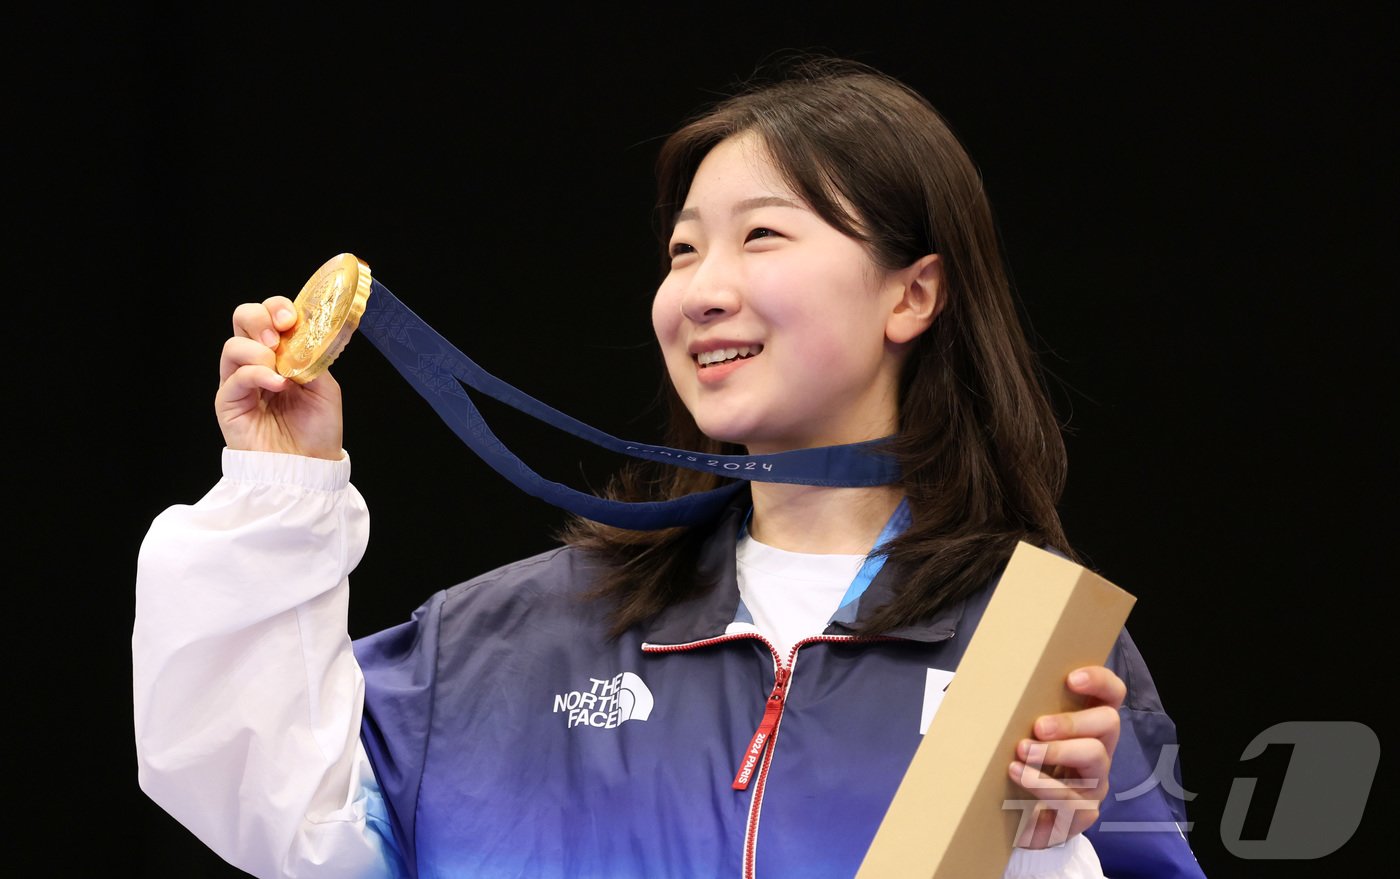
(607, 703)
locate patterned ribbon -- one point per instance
(438, 371)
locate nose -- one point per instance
(712, 291)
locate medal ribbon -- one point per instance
(438, 371)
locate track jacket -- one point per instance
(629, 752)
(509, 737)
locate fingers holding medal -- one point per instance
(269, 397)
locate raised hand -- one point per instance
(258, 409)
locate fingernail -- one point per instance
(1079, 678)
(1045, 728)
(284, 315)
(270, 338)
(1036, 752)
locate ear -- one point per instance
(920, 290)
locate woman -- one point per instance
(633, 703)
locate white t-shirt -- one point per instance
(792, 595)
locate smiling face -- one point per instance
(773, 323)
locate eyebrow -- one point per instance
(748, 204)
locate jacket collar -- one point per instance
(939, 627)
(710, 613)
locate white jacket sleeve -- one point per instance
(1074, 859)
(247, 695)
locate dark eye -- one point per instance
(759, 233)
(680, 248)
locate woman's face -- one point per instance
(772, 322)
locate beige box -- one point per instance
(953, 816)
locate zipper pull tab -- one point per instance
(753, 755)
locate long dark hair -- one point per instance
(982, 456)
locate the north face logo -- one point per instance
(607, 702)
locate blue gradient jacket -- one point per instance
(512, 738)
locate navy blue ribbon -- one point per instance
(438, 371)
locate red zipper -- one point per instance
(703, 642)
(753, 755)
(759, 755)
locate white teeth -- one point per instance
(720, 355)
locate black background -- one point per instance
(1196, 202)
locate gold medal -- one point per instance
(328, 311)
